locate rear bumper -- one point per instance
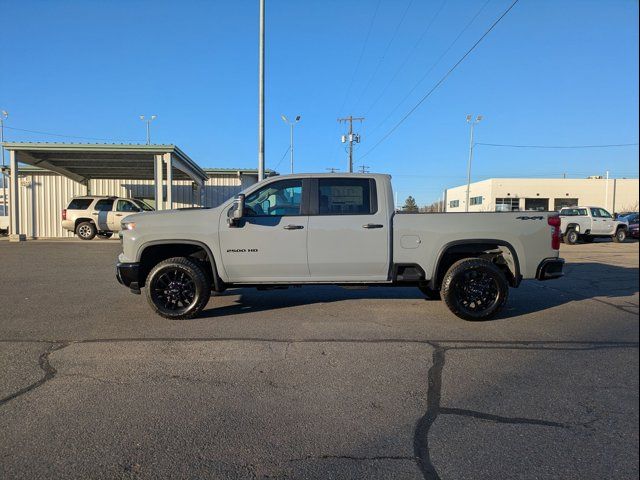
(128, 275)
(550, 268)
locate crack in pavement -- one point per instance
(422, 456)
(499, 419)
(47, 368)
(353, 457)
(434, 397)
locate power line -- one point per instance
(558, 146)
(441, 81)
(66, 136)
(408, 57)
(433, 65)
(364, 47)
(283, 157)
(384, 54)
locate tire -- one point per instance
(571, 237)
(620, 236)
(178, 288)
(86, 230)
(430, 293)
(588, 239)
(480, 303)
(105, 235)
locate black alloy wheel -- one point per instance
(178, 288)
(475, 289)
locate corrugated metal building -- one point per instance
(43, 194)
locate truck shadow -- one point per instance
(582, 281)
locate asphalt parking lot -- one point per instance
(315, 382)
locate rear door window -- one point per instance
(345, 196)
(79, 204)
(105, 205)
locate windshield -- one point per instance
(143, 206)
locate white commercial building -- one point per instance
(46, 177)
(541, 194)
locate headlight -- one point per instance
(128, 225)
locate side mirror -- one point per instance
(236, 213)
(239, 211)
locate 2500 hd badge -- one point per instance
(242, 250)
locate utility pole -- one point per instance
(351, 137)
(3, 114)
(364, 169)
(606, 191)
(148, 122)
(261, 96)
(332, 170)
(473, 123)
(291, 125)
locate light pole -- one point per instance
(261, 95)
(3, 114)
(148, 122)
(291, 125)
(473, 123)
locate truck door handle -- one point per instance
(94, 213)
(118, 214)
(293, 227)
(372, 225)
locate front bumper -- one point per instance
(128, 274)
(550, 268)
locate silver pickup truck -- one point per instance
(311, 229)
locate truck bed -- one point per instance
(526, 234)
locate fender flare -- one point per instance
(218, 283)
(479, 241)
(575, 226)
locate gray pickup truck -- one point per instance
(342, 229)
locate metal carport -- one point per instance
(84, 162)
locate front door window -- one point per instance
(275, 200)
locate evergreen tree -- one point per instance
(410, 205)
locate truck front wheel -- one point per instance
(620, 236)
(475, 289)
(178, 288)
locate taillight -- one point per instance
(64, 213)
(554, 221)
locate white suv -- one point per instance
(91, 215)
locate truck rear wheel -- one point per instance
(620, 236)
(571, 237)
(178, 288)
(475, 289)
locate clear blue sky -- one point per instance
(551, 73)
